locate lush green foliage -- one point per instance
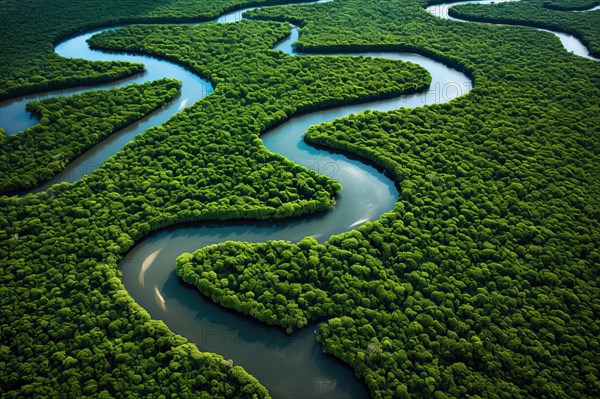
(484, 279)
(334, 79)
(571, 5)
(70, 125)
(69, 327)
(583, 25)
(30, 28)
(277, 283)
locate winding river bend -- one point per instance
(569, 42)
(289, 366)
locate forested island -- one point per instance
(482, 281)
(70, 125)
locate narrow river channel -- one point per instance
(289, 366)
(569, 42)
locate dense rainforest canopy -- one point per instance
(30, 28)
(571, 5)
(583, 25)
(60, 248)
(482, 282)
(70, 125)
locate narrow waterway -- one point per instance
(289, 366)
(569, 42)
(596, 8)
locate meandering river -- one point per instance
(569, 42)
(289, 366)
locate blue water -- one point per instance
(289, 366)
(569, 42)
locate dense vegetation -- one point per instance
(70, 125)
(69, 327)
(583, 25)
(483, 281)
(571, 5)
(30, 28)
